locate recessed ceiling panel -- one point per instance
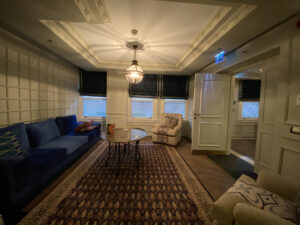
(166, 29)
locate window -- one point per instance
(142, 107)
(94, 106)
(175, 106)
(249, 110)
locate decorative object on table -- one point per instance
(272, 199)
(169, 130)
(111, 128)
(134, 73)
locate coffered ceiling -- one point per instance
(178, 37)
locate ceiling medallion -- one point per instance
(134, 73)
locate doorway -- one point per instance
(245, 113)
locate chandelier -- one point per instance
(134, 73)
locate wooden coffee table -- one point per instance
(124, 136)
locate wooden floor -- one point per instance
(212, 177)
(245, 147)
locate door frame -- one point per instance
(230, 113)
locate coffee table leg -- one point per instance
(108, 154)
(119, 157)
(124, 148)
(116, 146)
(137, 153)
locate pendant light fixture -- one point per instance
(134, 73)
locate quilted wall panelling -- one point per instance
(34, 85)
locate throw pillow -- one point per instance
(10, 144)
(82, 126)
(263, 199)
(169, 122)
(89, 128)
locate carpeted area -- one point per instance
(162, 191)
(245, 147)
(234, 165)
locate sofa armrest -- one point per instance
(8, 168)
(278, 184)
(40, 157)
(245, 214)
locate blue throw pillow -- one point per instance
(66, 124)
(42, 132)
(10, 144)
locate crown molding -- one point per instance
(213, 32)
(94, 11)
(224, 20)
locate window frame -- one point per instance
(100, 98)
(176, 100)
(154, 106)
(240, 112)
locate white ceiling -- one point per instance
(179, 36)
(166, 30)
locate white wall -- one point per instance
(34, 85)
(277, 149)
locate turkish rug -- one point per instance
(163, 190)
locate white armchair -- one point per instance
(169, 130)
(234, 207)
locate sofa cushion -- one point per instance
(41, 133)
(20, 130)
(263, 199)
(66, 124)
(13, 141)
(71, 143)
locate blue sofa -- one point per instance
(51, 147)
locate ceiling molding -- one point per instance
(94, 11)
(224, 20)
(199, 46)
(196, 43)
(73, 40)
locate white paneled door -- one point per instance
(211, 107)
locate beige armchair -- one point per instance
(169, 130)
(274, 204)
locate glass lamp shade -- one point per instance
(134, 73)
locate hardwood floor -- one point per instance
(213, 177)
(245, 147)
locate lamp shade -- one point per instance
(134, 73)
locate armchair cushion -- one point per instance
(169, 122)
(246, 214)
(164, 131)
(279, 185)
(263, 199)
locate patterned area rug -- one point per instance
(162, 191)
